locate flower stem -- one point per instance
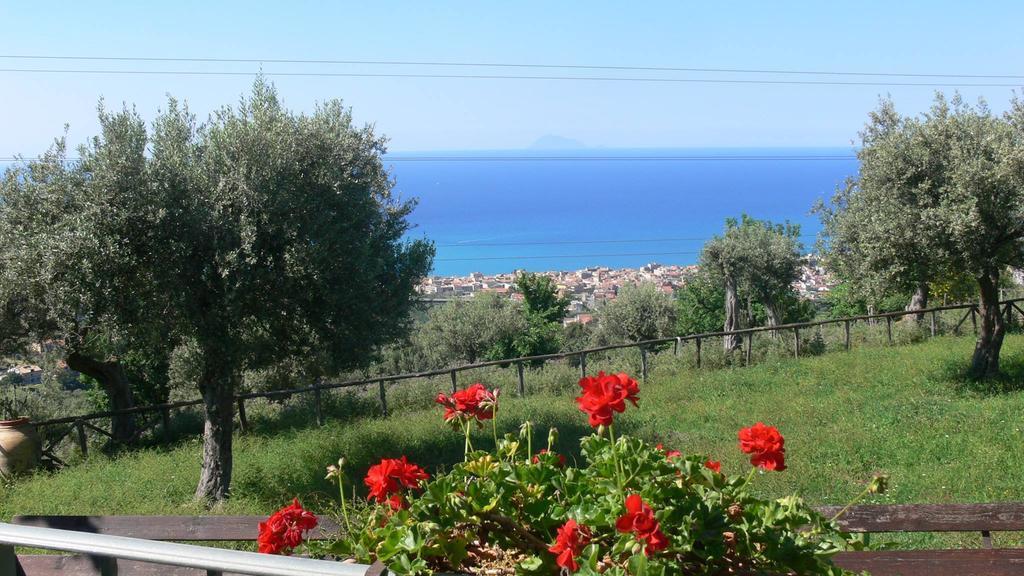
(469, 445)
(494, 429)
(615, 456)
(858, 498)
(344, 506)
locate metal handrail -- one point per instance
(168, 553)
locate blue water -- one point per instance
(501, 215)
(496, 216)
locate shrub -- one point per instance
(630, 508)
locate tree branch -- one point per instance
(528, 538)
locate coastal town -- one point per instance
(587, 288)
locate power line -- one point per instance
(529, 158)
(570, 242)
(549, 257)
(509, 77)
(501, 65)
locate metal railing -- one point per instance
(105, 551)
(81, 423)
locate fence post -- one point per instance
(455, 383)
(243, 422)
(383, 399)
(846, 330)
(888, 327)
(522, 379)
(750, 345)
(675, 347)
(165, 422)
(934, 325)
(643, 364)
(583, 364)
(697, 342)
(974, 318)
(317, 409)
(83, 441)
(796, 342)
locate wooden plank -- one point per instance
(78, 565)
(999, 562)
(994, 517)
(183, 528)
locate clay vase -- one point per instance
(19, 446)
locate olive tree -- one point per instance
(938, 195)
(755, 259)
(258, 236)
(73, 238)
(638, 313)
(280, 237)
(483, 327)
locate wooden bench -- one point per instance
(983, 519)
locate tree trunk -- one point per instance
(218, 387)
(919, 301)
(111, 377)
(732, 316)
(772, 312)
(985, 362)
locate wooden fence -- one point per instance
(160, 414)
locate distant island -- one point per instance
(555, 142)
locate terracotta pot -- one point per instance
(19, 446)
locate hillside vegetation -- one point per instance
(905, 410)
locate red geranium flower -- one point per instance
(669, 454)
(474, 402)
(569, 543)
(561, 458)
(713, 465)
(390, 476)
(605, 394)
(639, 519)
(765, 445)
(285, 529)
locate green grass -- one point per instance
(903, 410)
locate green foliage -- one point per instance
(638, 313)
(540, 297)
(543, 310)
(700, 304)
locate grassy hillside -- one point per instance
(903, 410)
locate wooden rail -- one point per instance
(81, 423)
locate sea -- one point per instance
(543, 210)
(567, 209)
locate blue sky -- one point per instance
(432, 114)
